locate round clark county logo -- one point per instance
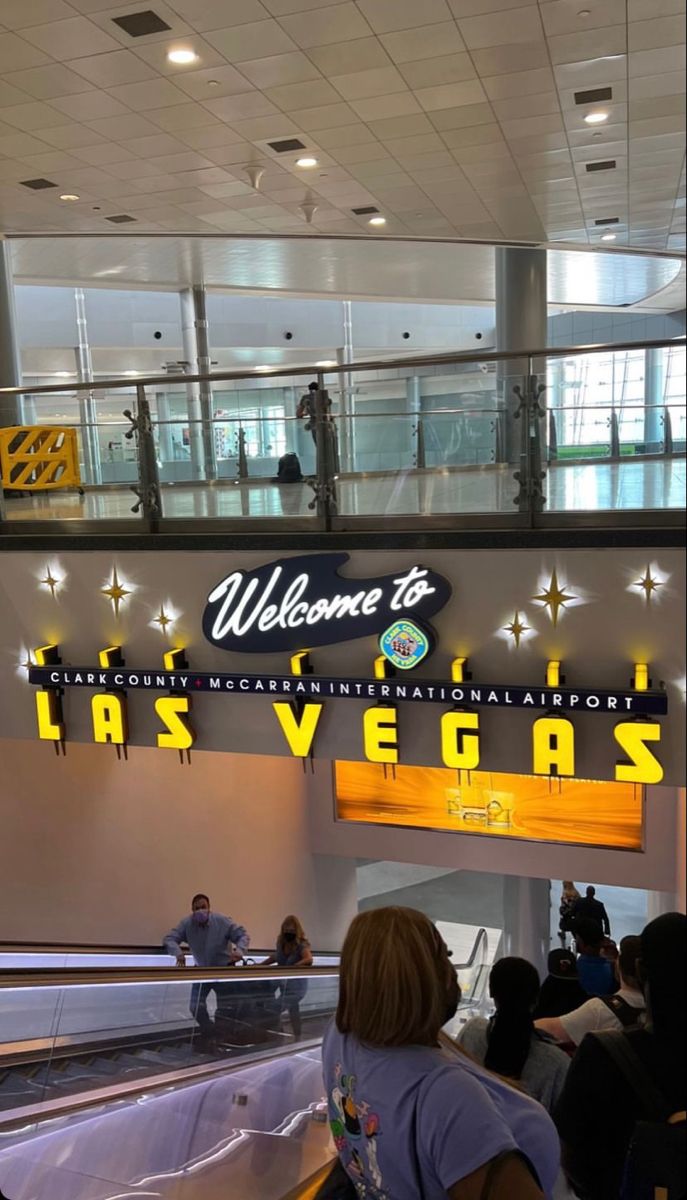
(404, 644)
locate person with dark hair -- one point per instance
(408, 1117)
(214, 941)
(622, 1010)
(619, 1079)
(588, 908)
(595, 973)
(569, 898)
(508, 1042)
(307, 407)
(561, 991)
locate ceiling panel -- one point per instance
(394, 98)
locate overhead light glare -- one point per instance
(69, 196)
(263, 368)
(131, 373)
(377, 221)
(306, 161)
(326, 362)
(608, 237)
(182, 57)
(596, 118)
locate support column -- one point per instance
(87, 406)
(417, 439)
(11, 407)
(346, 428)
(526, 916)
(190, 345)
(205, 388)
(653, 399)
(164, 429)
(521, 324)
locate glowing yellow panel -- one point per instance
(109, 715)
(458, 670)
(571, 811)
(553, 674)
(641, 679)
(110, 657)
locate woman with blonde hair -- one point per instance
(292, 950)
(411, 1119)
(569, 898)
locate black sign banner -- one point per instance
(317, 687)
(303, 601)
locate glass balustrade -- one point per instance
(568, 432)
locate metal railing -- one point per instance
(522, 436)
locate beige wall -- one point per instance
(96, 850)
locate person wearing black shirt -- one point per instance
(561, 991)
(591, 909)
(597, 1111)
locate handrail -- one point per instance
(143, 381)
(28, 977)
(107, 948)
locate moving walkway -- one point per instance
(109, 1092)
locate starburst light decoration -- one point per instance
(554, 598)
(165, 618)
(116, 592)
(650, 582)
(517, 629)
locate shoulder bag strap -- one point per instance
(654, 1104)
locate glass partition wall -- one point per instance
(567, 431)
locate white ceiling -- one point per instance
(453, 117)
(362, 268)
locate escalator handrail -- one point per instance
(105, 948)
(93, 976)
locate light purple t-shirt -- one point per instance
(411, 1121)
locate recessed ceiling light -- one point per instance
(596, 118)
(182, 57)
(69, 196)
(377, 221)
(306, 162)
(608, 237)
(213, 82)
(584, 12)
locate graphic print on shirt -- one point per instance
(355, 1131)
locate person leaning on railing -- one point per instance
(410, 1118)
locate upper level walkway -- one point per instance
(567, 436)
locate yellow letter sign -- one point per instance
(459, 750)
(643, 766)
(300, 735)
(380, 734)
(553, 746)
(109, 719)
(171, 710)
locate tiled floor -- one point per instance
(631, 484)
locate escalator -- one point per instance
(108, 1092)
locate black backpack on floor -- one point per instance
(289, 469)
(656, 1162)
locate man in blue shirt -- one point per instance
(214, 941)
(595, 973)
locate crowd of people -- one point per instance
(577, 1081)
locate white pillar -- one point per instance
(190, 345)
(87, 406)
(204, 361)
(527, 920)
(653, 399)
(11, 408)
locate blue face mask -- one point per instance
(201, 916)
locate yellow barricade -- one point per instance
(38, 458)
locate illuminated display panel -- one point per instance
(576, 811)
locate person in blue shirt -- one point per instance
(595, 973)
(409, 1116)
(214, 941)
